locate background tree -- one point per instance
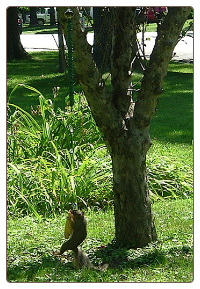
(123, 123)
(15, 49)
(33, 16)
(52, 16)
(62, 56)
(102, 40)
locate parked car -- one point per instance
(155, 14)
(150, 14)
(19, 22)
(43, 16)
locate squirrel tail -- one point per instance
(81, 260)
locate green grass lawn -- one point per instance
(40, 29)
(170, 259)
(172, 126)
(41, 72)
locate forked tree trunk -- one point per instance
(128, 147)
(124, 124)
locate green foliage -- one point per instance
(63, 163)
(168, 178)
(57, 158)
(58, 164)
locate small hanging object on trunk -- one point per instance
(69, 14)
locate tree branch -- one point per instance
(100, 102)
(83, 61)
(152, 83)
(122, 48)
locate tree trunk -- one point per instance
(52, 16)
(33, 16)
(62, 57)
(131, 195)
(123, 123)
(15, 49)
(102, 39)
(128, 147)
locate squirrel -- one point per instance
(76, 226)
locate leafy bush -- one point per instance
(60, 161)
(58, 164)
(169, 178)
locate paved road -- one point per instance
(182, 52)
(34, 42)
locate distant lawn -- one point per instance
(39, 29)
(42, 72)
(152, 27)
(44, 29)
(48, 29)
(172, 126)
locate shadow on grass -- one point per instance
(51, 268)
(120, 257)
(173, 121)
(57, 269)
(31, 271)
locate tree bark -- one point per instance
(124, 124)
(102, 39)
(62, 57)
(15, 49)
(33, 16)
(131, 196)
(52, 16)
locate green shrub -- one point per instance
(168, 178)
(58, 164)
(60, 161)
